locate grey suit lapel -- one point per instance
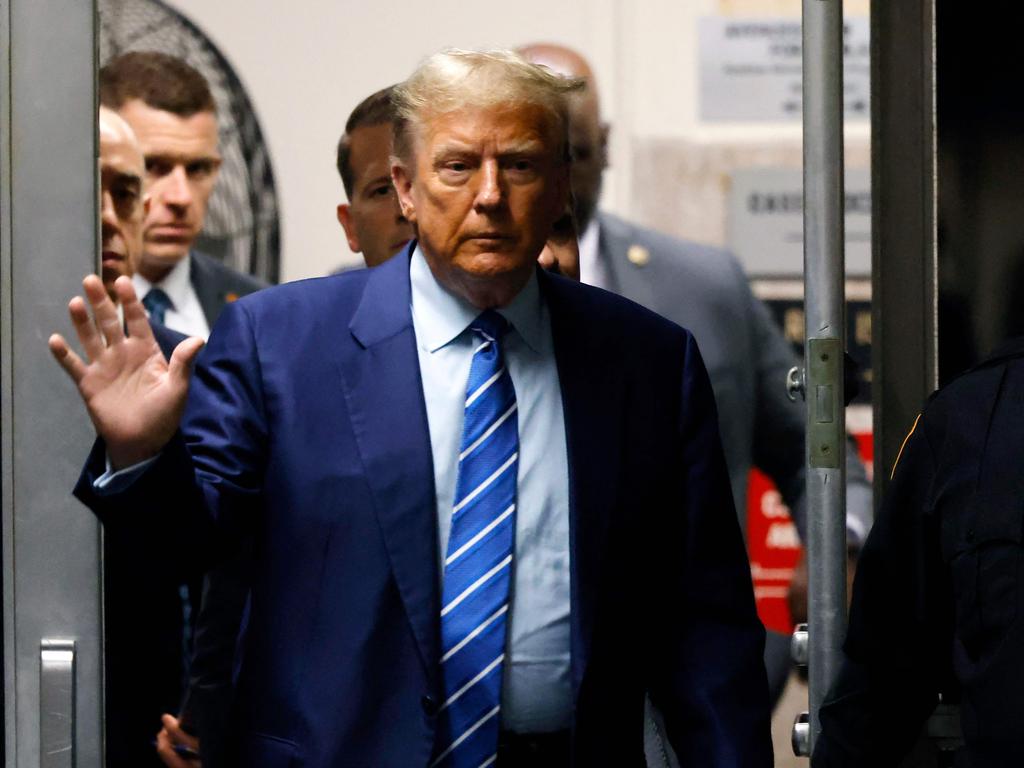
(630, 277)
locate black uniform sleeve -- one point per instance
(896, 649)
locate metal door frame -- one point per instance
(48, 236)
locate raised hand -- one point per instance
(134, 396)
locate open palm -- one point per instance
(134, 396)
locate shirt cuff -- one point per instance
(113, 482)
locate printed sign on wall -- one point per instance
(750, 69)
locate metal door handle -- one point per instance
(56, 703)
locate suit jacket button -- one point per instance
(429, 704)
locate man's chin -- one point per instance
(164, 255)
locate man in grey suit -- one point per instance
(169, 106)
(705, 290)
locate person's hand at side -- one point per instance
(134, 396)
(175, 746)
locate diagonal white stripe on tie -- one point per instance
(480, 676)
(483, 625)
(461, 550)
(490, 431)
(476, 585)
(469, 732)
(483, 486)
(484, 387)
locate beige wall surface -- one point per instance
(306, 63)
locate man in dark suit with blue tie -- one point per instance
(490, 504)
(142, 606)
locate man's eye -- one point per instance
(384, 190)
(199, 169)
(157, 167)
(456, 166)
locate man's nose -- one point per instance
(108, 214)
(177, 190)
(490, 192)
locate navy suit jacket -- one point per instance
(306, 425)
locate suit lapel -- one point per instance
(384, 394)
(592, 395)
(614, 243)
(207, 289)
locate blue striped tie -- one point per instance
(157, 302)
(478, 566)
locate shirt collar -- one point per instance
(442, 316)
(176, 284)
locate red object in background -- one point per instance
(773, 543)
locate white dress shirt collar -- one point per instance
(593, 270)
(176, 284)
(442, 316)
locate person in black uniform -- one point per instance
(937, 601)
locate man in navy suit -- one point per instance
(490, 505)
(142, 607)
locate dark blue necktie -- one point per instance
(157, 303)
(478, 565)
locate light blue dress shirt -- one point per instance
(537, 692)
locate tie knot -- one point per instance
(490, 325)
(157, 302)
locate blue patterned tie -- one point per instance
(157, 303)
(478, 565)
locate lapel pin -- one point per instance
(230, 297)
(638, 255)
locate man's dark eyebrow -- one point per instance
(122, 177)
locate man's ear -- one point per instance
(345, 219)
(402, 180)
(606, 129)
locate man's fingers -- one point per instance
(134, 313)
(88, 334)
(165, 751)
(104, 310)
(178, 734)
(184, 355)
(68, 360)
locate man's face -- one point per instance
(121, 204)
(373, 220)
(589, 140)
(486, 186)
(181, 167)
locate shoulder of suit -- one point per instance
(648, 250)
(309, 295)
(230, 281)
(607, 311)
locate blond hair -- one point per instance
(455, 79)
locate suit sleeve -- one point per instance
(779, 432)
(896, 652)
(708, 678)
(204, 490)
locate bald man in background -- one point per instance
(143, 620)
(705, 290)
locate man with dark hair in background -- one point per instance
(372, 219)
(169, 106)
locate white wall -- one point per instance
(307, 63)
